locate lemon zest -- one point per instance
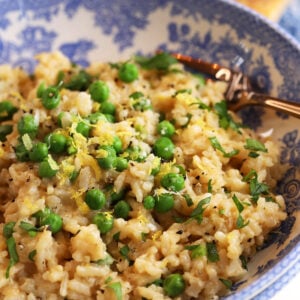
(66, 169)
(156, 235)
(90, 161)
(142, 219)
(78, 197)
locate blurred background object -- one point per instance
(272, 9)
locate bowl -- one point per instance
(218, 31)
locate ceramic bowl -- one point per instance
(215, 30)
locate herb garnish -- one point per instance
(11, 246)
(31, 229)
(216, 145)
(254, 146)
(189, 117)
(201, 105)
(256, 188)
(197, 213)
(209, 186)
(107, 260)
(161, 61)
(197, 250)
(117, 289)
(226, 282)
(225, 119)
(212, 252)
(240, 223)
(188, 200)
(244, 262)
(32, 254)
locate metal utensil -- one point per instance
(239, 92)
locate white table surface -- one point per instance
(291, 291)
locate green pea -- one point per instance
(174, 285)
(53, 221)
(38, 152)
(46, 170)
(113, 196)
(50, 97)
(149, 202)
(79, 81)
(108, 161)
(172, 182)
(136, 95)
(122, 209)
(135, 154)
(142, 104)
(104, 222)
(117, 144)
(108, 108)
(22, 153)
(71, 148)
(166, 128)
(27, 124)
(99, 91)
(164, 202)
(95, 199)
(7, 110)
(56, 142)
(181, 170)
(121, 164)
(83, 128)
(164, 148)
(128, 72)
(110, 118)
(4, 131)
(95, 117)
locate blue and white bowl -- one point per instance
(215, 30)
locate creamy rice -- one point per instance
(222, 213)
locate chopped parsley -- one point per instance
(197, 213)
(187, 91)
(254, 146)
(188, 200)
(212, 252)
(217, 146)
(201, 105)
(189, 117)
(226, 282)
(244, 262)
(237, 203)
(8, 230)
(197, 250)
(29, 228)
(256, 188)
(161, 61)
(209, 186)
(117, 289)
(225, 119)
(32, 254)
(107, 260)
(240, 223)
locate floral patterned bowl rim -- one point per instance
(216, 30)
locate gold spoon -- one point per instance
(239, 92)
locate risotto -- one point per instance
(127, 180)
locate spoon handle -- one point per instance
(251, 98)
